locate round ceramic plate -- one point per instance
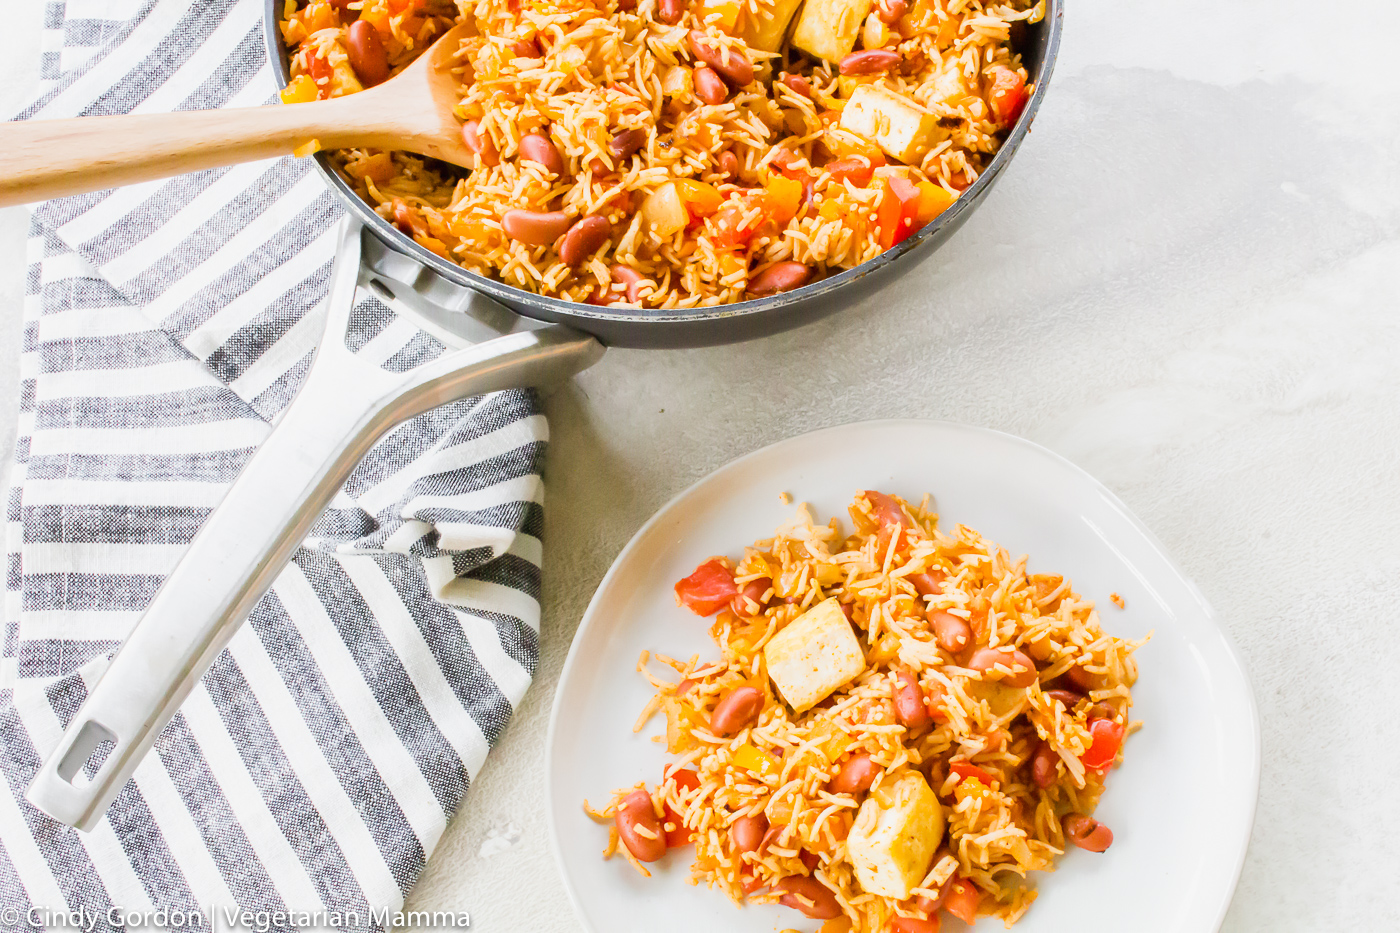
(1180, 806)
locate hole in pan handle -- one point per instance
(345, 405)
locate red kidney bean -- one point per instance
(536, 147)
(629, 277)
(1080, 678)
(810, 859)
(478, 141)
(810, 896)
(736, 711)
(1068, 697)
(869, 61)
(526, 48)
(728, 164)
(734, 66)
(771, 836)
(626, 142)
(952, 633)
(1043, 763)
(635, 811)
(890, 11)
(927, 584)
(670, 11)
(1022, 668)
(584, 238)
(709, 86)
(537, 228)
(366, 53)
(799, 85)
(780, 277)
(754, 592)
(747, 832)
(914, 925)
(1087, 832)
(909, 709)
(855, 776)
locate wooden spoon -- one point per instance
(412, 110)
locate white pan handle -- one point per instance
(345, 406)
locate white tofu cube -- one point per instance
(816, 653)
(901, 127)
(766, 32)
(828, 28)
(894, 836)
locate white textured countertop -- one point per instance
(1186, 283)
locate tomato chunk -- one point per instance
(966, 769)
(858, 169)
(708, 589)
(1007, 94)
(1107, 739)
(735, 222)
(687, 780)
(962, 900)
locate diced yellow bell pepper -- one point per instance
(785, 197)
(728, 11)
(751, 759)
(701, 198)
(933, 200)
(971, 787)
(830, 210)
(300, 90)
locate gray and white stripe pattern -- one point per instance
(165, 325)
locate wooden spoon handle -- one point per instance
(52, 158)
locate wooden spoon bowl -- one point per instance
(412, 111)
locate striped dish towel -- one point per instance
(315, 767)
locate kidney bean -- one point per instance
(709, 86)
(734, 66)
(670, 11)
(799, 85)
(584, 238)
(736, 711)
(366, 53)
(728, 164)
(1080, 678)
(808, 895)
(987, 659)
(747, 832)
(753, 592)
(869, 61)
(952, 633)
(890, 11)
(537, 228)
(626, 142)
(914, 925)
(1068, 697)
(780, 277)
(1087, 832)
(629, 277)
(855, 776)
(927, 584)
(478, 141)
(536, 147)
(526, 48)
(909, 709)
(636, 812)
(1043, 763)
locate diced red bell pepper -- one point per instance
(898, 212)
(688, 780)
(730, 227)
(1007, 94)
(1107, 738)
(708, 589)
(966, 769)
(962, 900)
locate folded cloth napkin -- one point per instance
(316, 765)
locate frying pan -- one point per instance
(501, 337)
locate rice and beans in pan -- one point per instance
(675, 153)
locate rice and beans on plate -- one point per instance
(674, 153)
(900, 722)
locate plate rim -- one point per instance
(1232, 652)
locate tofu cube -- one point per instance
(828, 28)
(901, 127)
(767, 31)
(895, 835)
(815, 654)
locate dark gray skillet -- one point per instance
(697, 327)
(500, 337)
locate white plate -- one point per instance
(1180, 806)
